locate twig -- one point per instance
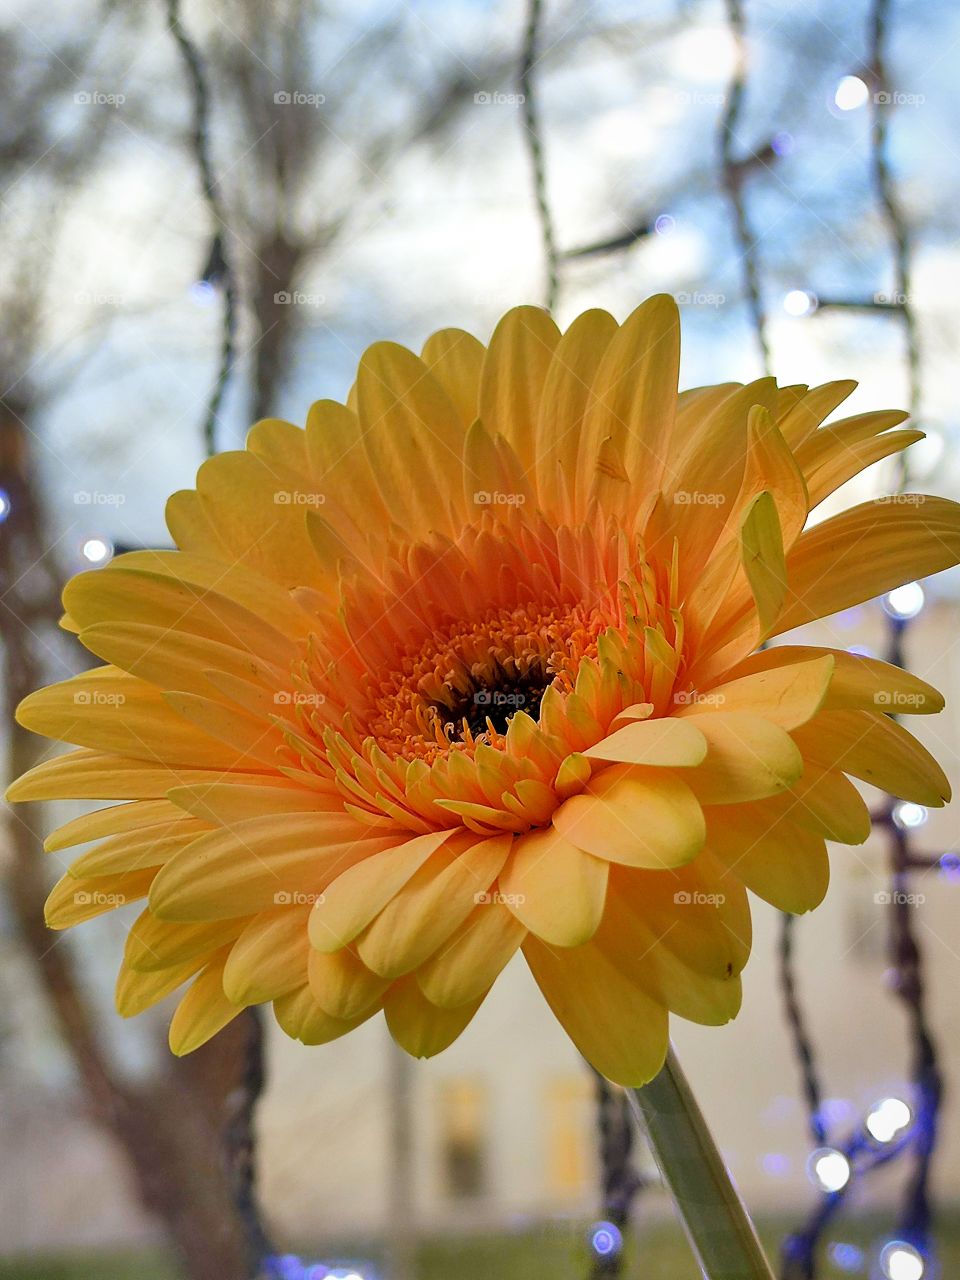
(734, 172)
(219, 269)
(534, 140)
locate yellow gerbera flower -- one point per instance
(469, 666)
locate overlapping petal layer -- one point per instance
(471, 666)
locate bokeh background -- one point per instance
(208, 211)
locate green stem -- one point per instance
(718, 1227)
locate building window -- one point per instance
(570, 1135)
(463, 1139)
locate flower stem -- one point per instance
(718, 1227)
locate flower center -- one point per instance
(466, 683)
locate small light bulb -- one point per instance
(904, 602)
(97, 550)
(887, 1118)
(664, 224)
(800, 302)
(901, 1261)
(5, 505)
(783, 143)
(605, 1239)
(851, 93)
(908, 815)
(829, 1169)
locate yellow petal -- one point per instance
(875, 749)
(266, 861)
(154, 944)
(109, 711)
(866, 551)
(640, 817)
(761, 551)
(827, 801)
(269, 958)
(352, 900)
(299, 1015)
(134, 851)
(802, 419)
(455, 358)
(203, 1011)
(423, 914)
(748, 758)
(514, 370)
(713, 932)
(554, 888)
(72, 902)
(94, 775)
(116, 820)
(787, 695)
(628, 940)
(668, 743)
(136, 992)
(412, 435)
(776, 858)
(343, 985)
(563, 402)
(420, 1027)
(633, 405)
(467, 964)
(616, 1025)
(857, 682)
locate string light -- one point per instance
(887, 1119)
(800, 302)
(846, 1256)
(851, 94)
(901, 1261)
(605, 1239)
(5, 505)
(829, 1169)
(908, 816)
(97, 550)
(904, 602)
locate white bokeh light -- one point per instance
(908, 815)
(904, 602)
(887, 1118)
(851, 93)
(901, 1261)
(97, 550)
(799, 302)
(829, 1169)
